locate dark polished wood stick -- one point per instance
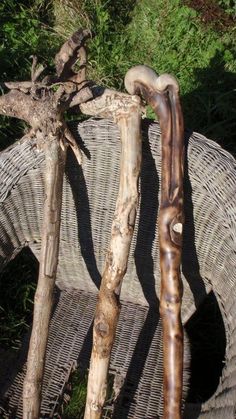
(162, 93)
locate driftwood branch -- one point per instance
(43, 301)
(72, 51)
(42, 105)
(36, 71)
(162, 93)
(19, 105)
(126, 111)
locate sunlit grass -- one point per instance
(77, 397)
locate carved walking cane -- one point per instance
(126, 111)
(162, 93)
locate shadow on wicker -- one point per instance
(209, 260)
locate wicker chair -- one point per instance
(209, 258)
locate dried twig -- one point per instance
(162, 93)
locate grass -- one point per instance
(75, 408)
(24, 31)
(170, 36)
(77, 397)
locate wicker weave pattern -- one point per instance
(68, 345)
(209, 256)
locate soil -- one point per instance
(211, 13)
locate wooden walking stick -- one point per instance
(162, 93)
(126, 111)
(54, 171)
(42, 105)
(55, 152)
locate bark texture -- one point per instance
(42, 103)
(43, 301)
(108, 307)
(162, 93)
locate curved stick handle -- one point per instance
(162, 93)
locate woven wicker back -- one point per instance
(209, 256)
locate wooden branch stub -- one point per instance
(36, 71)
(162, 93)
(22, 106)
(23, 86)
(73, 144)
(110, 104)
(70, 52)
(82, 95)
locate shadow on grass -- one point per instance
(210, 108)
(17, 283)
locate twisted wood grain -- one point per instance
(162, 93)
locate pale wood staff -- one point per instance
(162, 93)
(126, 111)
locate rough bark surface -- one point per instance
(42, 105)
(43, 301)
(128, 117)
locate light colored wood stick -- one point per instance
(126, 111)
(43, 301)
(162, 93)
